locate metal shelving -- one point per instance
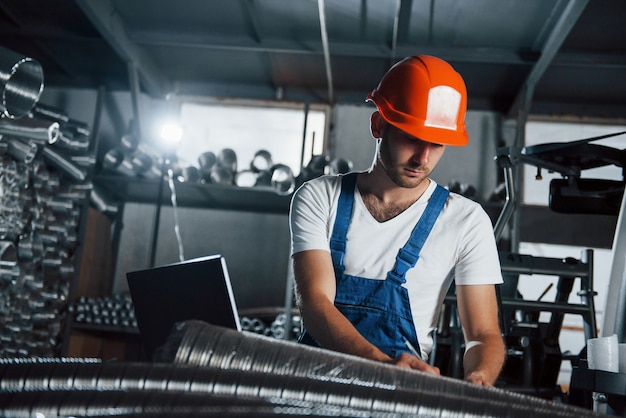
(195, 195)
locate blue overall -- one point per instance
(379, 309)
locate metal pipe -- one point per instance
(68, 141)
(63, 164)
(101, 202)
(21, 84)
(326, 49)
(209, 346)
(8, 255)
(159, 387)
(511, 197)
(22, 151)
(31, 129)
(42, 111)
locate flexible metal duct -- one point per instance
(156, 388)
(202, 344)
(21, 83)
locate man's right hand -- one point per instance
(409, 361)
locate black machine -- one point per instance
(534, 356)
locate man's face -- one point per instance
(407, 160)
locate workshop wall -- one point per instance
(472, 165)
(256, 245)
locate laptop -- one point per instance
(193, 289)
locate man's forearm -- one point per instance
(335, 332)
(483, 361)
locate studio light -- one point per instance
(170, 135)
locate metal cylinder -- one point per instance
(340, 166)
(282, 179)
(31, 129)
(51, 113)
(227, 158)
(206, 345)
(221, 175)
(22, 151)
(8, 254)
(246, 178)
(21, 83)
(30, 247)
(261, 161)
(128, 143)
(151, 387)
(73, 143)
(207, 160)
(63, 164)
(102, 202)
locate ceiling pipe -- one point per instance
(324, 34)
(401, 24)
(394, 35)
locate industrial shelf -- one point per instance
(79, 326)
(194, 195)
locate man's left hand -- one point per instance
(478, 378)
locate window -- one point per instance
(247, 128)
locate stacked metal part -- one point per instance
(221, 372)
(261, 172)
(116, 311)
(43, 187)
(277, 327)
(133, 158)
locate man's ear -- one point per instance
(376, 125)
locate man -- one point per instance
(370, 282)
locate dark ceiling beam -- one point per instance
(478, 55)
(112, 28)
(562, 28)
(346, 49)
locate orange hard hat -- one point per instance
(424, 97)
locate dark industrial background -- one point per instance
(118, 66)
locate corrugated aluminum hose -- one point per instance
(231, 373)
(21, 83)
(121, 388)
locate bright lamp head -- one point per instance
(170, 135)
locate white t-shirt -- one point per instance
(460, 247)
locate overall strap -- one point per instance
(409, 254)
(342, 221)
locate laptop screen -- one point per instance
(194, 289)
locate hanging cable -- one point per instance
(170, 180)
